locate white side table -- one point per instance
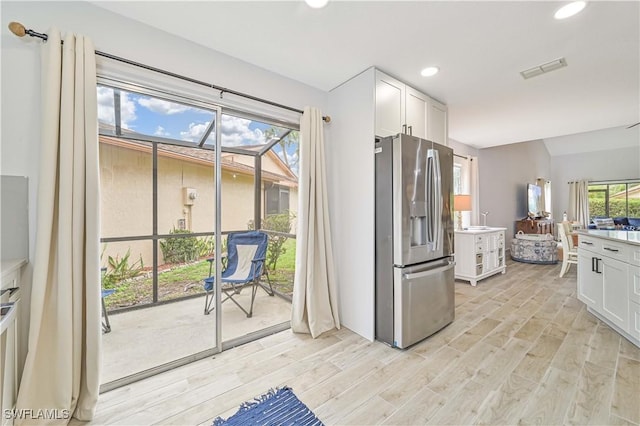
(479, 253)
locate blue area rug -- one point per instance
(276, 407)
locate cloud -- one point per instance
(195, 131)
(106, 112)
(163, 107)
(235, 132)
(161, 132)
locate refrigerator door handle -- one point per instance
(426, 273)
(434, 199)
(437, 181)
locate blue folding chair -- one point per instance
(245, 265)
(106, 327)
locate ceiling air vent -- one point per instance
(544, 68)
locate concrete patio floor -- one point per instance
(145, 338)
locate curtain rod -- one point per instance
(462, 156)
(610, 181)
(20, 30)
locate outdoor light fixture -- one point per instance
(570, 9)
(429, 71)
(317, 4)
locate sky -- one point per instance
(153, 116)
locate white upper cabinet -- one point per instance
(437, 122)
(417, 110)
(403, 109)
(390, 105)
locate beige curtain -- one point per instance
(475, 190)
(315, 296)
(579, 202)
(62, 371)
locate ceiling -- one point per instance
(480, 47)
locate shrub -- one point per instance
(180, 249)
(120, 269)
(617, 208)
(280, 223)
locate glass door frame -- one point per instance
(219, 345)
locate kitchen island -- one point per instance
(609, 278)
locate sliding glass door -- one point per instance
(177, 178)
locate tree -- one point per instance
(289, 146)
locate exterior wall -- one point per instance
(126, 196)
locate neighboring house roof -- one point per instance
(634, 192)
(206, 157)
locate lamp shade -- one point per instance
(462, 203)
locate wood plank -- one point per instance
(604, 347)
(374, 411)
(532, 329)
(629, 350)
(459, 372)
(505, 405)
(497, 368)
(418, 410)
(416, 379)
(473, 394)
(536, 362)
(500, 335)
(474, 334)
(591, 404)
(573, 352)
(625, 403)
(550, 401)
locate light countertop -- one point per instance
(479, 230)
(630, 237)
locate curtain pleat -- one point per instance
(62, 370)
(315, 297)
(579, 202)
(475, 191)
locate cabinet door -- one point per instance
(437, 124)
(417, 107)
(634, 301)
(589, 281)
(615, 294)
(390, 105)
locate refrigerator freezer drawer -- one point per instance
(423, 301)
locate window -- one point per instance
(616, 199)
(457, 179)
(276, 199)
(157, 164)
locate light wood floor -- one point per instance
(522, 350)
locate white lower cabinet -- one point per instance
(615, 297)
(589, 280)
(479, 254)
(609, 285)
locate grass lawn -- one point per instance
(186, 279)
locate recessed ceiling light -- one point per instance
(317, 4)
(429, 71)
(570, 9)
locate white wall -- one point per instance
(616, 164)
(462, 149)
(351, 189)
(504, 173)
(607, 154)
(111, 33)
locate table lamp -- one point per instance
(461, 203)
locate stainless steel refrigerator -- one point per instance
(414, 239)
